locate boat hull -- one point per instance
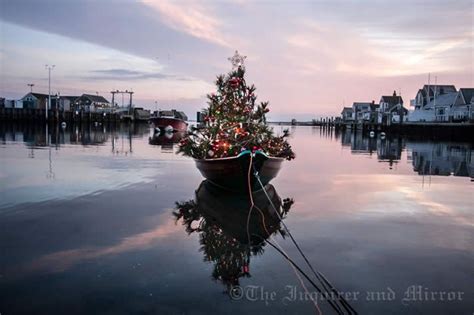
(233, 173)
(175, 123)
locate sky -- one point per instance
(307, 58)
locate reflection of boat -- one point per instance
(233, 172)
(166, 139)
(220, 219)
(167, 119)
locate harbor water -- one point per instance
(89, 224)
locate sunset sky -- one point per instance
(306, 58)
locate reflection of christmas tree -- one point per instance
(225, 243)
(234, 122)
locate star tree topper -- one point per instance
(237, 60)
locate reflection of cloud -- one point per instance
(63, 260)
(191, 18)
(365, 196)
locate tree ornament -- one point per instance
(210, 153)
(237, 60)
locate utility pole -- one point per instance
(49, 68)
(31, 87)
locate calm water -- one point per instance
(87, 226)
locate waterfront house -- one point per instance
(63, 103)
(91, 103)
(429, 92)
(35, 100)
(391, 109)
(444, 104)
(461, 109)
(361, 111)
(441, 106)
(433, 103)
(347, 114)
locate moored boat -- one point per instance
(170, 120)
(238, 173)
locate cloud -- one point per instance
(190, 18)
(130, 75)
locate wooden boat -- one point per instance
(170, 120)
(232, 173)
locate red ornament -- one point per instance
(234, 82)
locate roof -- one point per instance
(347, 109)
(467, 94)
(439, 88)
(37, 95)
(95, 98)
(391, 100)
(442, 100)
(357, 105)
(71, 98)
(398, 109)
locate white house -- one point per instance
(347, 114)
(429, 92)
(462, 106)
(391, 109)
(91, 103)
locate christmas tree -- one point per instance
(234, 122)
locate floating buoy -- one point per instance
(382, 135)
(63, 124)
(372, 134)
(169, 129)
(96, 123)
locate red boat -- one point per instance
(170, 120)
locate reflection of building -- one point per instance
(362, 145)
(442, 159)
(36, 135)
(388, 149)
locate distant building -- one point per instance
(429, 92)
(361, 111)
(63, 103)
(347, 114)
(442, 103)
(91, 103)
(391, 109)
(35, 101)
(461, 109)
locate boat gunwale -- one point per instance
(238, 156)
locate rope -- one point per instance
(252, 205)
(293, 267)
(321, 278)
